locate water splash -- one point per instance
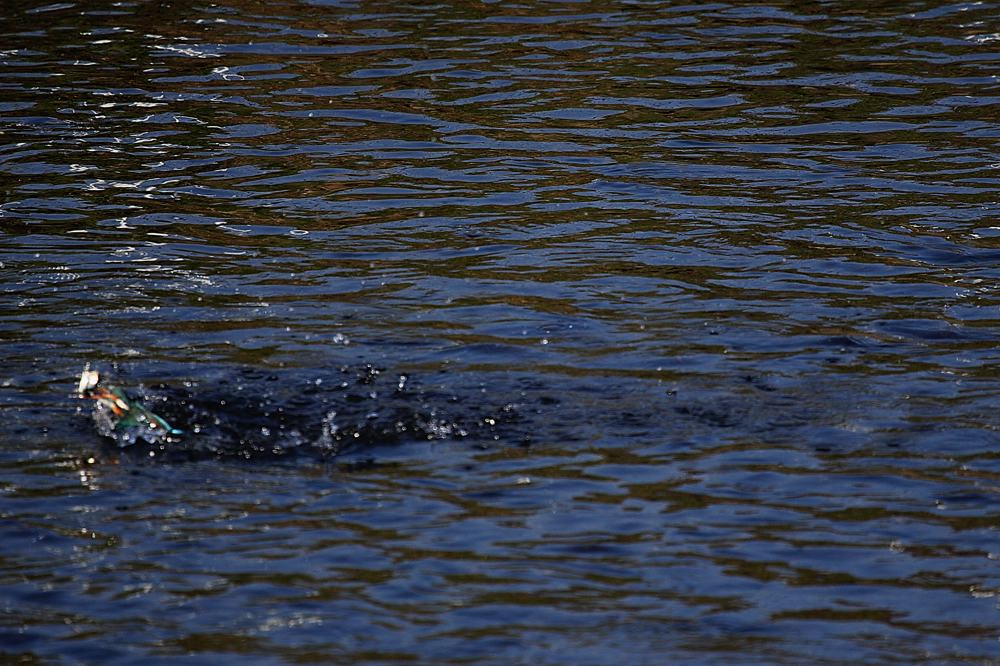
(120, 416)
(261, 415)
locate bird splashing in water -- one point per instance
(253, 414)
(121, 416)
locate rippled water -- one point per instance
(697, 308)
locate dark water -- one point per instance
(697, 307)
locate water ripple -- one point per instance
(733, 267)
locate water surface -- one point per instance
(690, 313)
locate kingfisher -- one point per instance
(126, 419)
